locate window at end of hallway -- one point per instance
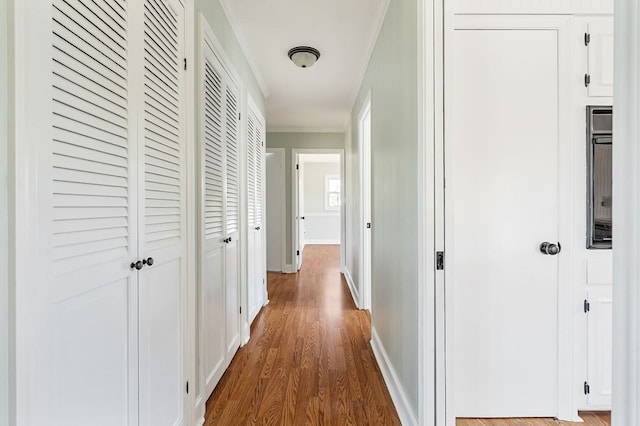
(331, 192)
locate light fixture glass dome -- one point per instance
(304, 56)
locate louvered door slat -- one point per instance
(213, 154)
(91, 186)
(251, 171)
(232, 159)
(259, 160)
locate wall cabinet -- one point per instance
(101, 215)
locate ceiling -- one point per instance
(319, 98)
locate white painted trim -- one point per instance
(262, 83)
(352, 288)
(373, 38)
(567, 408)
(335, 213)
(322, 242)
(532, 7)
(626, 216)
(246, 333)
(429, 47)
(365, 198)
(391, 379)
(305, 130)
(283, 202)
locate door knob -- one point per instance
(137, 265)
(550, 248)
(148, 261)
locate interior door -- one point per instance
(300, 214)
(502, 192)
(163, 217)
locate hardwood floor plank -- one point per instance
(309, 360)
(602, 418)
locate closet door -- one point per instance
(76, 215)
(162, 219)
(232, 216)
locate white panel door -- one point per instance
(600, 56)
(599, 346)
(502, 187)
(162, 220)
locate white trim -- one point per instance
(246, 333)
(335, 213)
(327, 207)
(626, 216)
(532, 7)
(373, 39)
(431, 407)
(567, 408)
(365, 198)
(305, 130)
(257, 74)
(283, 202)
(391, 379)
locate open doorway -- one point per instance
(275, 201)
(317, 199)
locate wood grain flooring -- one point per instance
(309, 360)
(590, 419)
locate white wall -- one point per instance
(275, 210)
(322, 226)
(392, 78)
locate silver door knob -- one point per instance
(550, 248)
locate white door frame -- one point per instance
(566, 404)
(364, 150)
(281, 152)
(295, 153)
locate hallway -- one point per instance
(309, 360)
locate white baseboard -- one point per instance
(398, 395)
(352, 288)
(323, 242)
(289, 269)
(200, 411)
(246, 333)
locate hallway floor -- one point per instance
(590, 419)
(309, 360)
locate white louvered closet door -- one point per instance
(162, 204)
(212, 224)
(76, 331)
(232, 215)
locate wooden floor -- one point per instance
(590, 419)
(309, 360)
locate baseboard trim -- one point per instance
(398, 395)
(200, 411)
(246, 333)
(352, 288)
(289, 269)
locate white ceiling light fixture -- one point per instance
(304, 56)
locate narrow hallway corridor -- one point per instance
(309, 360)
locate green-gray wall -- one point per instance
(291, 141)
(215, 16)
(392, 80)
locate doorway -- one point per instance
(317, 199)
(364, 134)
(275, 209)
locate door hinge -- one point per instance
(439, 260)
(185, 64)
(241, 310)
(587, 39)
(368, 225)
(239, 116)
(187, 387)
(297, 166)
(586, 306)
(587, 388)
(297, 252)
(587, 80)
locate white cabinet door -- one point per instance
(599, 347)
(600, 56)
(162, 219)
(502, 189)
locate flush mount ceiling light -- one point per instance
(304, 56)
